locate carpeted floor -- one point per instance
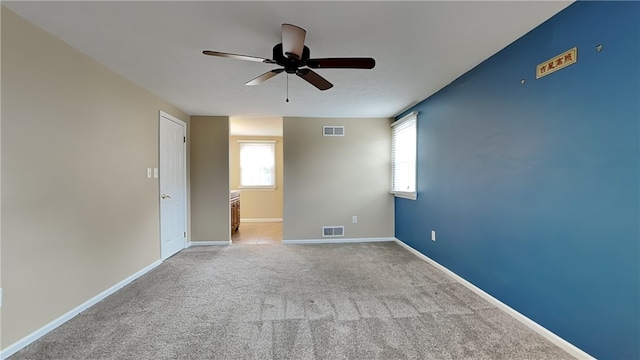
(329, 301)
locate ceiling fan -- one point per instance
(294, 58)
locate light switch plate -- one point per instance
(433, 235)
(155, 173)
(148, 173)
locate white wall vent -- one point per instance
(333, 130)
(332, 231)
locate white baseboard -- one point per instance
(544, 332)
(337, 240)
(260, 220)
(20, 344)
(209, 243)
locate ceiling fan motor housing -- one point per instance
(290, 62)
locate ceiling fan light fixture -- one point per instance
(293, 41)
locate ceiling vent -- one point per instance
(333, 130)
(332, 231)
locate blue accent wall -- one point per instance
(534, 189)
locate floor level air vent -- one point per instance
(333, 130)
(332, 231)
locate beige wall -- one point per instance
(209, 156)
(78, 213)
(258, 203)
(330, 179)
(0, 183)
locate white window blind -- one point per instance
(257, 164)
(403, 155)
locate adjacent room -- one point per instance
(256, 178)
(320, 180)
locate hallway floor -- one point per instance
(258, 233)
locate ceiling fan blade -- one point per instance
(238, 57)
(293, 40)
(314, 79)
(264, 77)
(342, 63)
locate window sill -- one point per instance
(259, 188)
(405, 195)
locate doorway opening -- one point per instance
(256, 179)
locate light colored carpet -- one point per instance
(324, 301)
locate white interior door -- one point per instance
(173, 170)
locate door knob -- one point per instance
(165, 196)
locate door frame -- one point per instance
(169, 117)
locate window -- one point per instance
(403, 156)
(257, 164)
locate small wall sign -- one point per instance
(558, 62)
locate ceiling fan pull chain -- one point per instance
(287, 87)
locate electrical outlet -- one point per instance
(433, 235)
(354, 219)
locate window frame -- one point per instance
(272, 144)
(405, 121)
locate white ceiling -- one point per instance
(419, 47)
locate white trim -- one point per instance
(172, 118)
(258, 187)
(20, 344)
(405, 195)
(209, 243)
(337, 240)
(186, 210)
(260, 220)
(544, 332)
(258, 141)
(399, 121)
